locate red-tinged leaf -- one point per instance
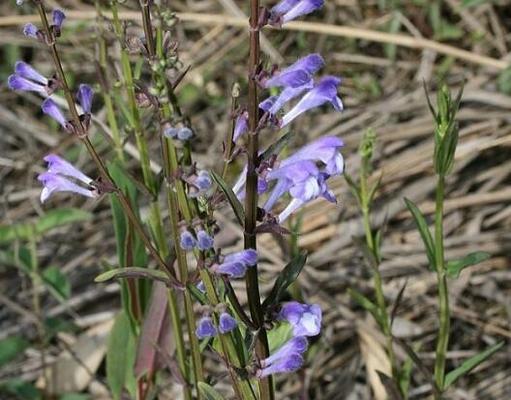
(155, 332)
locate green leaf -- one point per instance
(285, 278)
(21, 389)
(209, 392)
(11, 347)
(422, 226)
(133, 272)
(237, 207)
(366, 304)
(469, 364)
(454, 267)
(52, 219)
(276, 147)
(119, 355)
(504, 81)
(279, 335)
(57, 283)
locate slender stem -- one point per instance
(107, 98)
(378, 283)
(252, 282)
(443, 295)
(148, 31)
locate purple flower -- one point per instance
(50, 108)
(285, 365)
(84, 96)
(187, 241)
(226, 323)
(239, 186)
(27, 78)
(235, 265)
(201, 286)
(325, 91)
(204, 241)
(184, 133)
(297, 74)
(62, 176)
(296, 345)
(205, 328)
(305, 318)
(170, 132)
(273, 104)
(287, 10)
(203, 181)
(58, 18)
(240, 126)
(30, 30)
(325, 149)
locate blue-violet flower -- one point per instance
(51, 108)
(287, 10)
(235, 265)
(62, 176)
(204, 241)
(26, 78)
(205, 328)
(325, 91)
(187, 240)
(226, 323)
(305, 318)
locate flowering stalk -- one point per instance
(92, 152)
(366, 198)
(252, 283)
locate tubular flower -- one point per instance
(235, 265)
(226, 323)
(305, 318)
(30, 30)
(325, 149)
(324, 92)
(26, 78)
(58, 17)
(304, 182)
(51, 108)
(205, 328)
(84, 96)
(62, 176)
(288, 10)
(240, 126)
(307, 65)
(204, 240)
(187, 241)
(297, 74)
(288, 358)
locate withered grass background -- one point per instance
(378, 92)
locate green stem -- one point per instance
(443, 294)
(378, 284)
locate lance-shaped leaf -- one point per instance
(52, 219)
(208, 392)
(422, 226)
(454, 267)
(237, 207)
(276, 147)
(133, 272)
(366, 304)
(469, 364)
(285, 278)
